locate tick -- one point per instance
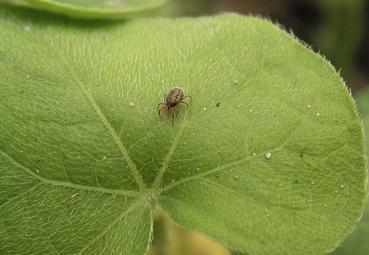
(174, 98)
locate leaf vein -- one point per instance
(21, 194)
(220, 168)
(102, 118)
(69, 184)
(168, 157)
(124, 213)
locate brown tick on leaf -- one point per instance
(174, 98)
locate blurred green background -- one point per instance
(337, 29)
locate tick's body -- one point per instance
(174, 98)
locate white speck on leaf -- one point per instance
(317, 114)
(131, 104)
(268, 155)
(104, 158)
(309, 106)
(204, 108)
(253, 154)
(251, 110)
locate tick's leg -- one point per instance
(161, 116)
(185, 104)
(161, 106)
(174, 115)
(189, 97)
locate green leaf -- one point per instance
(107, 9)
(268, 158)
(358, 241)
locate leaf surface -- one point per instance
(268, 158)
(106, 9)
